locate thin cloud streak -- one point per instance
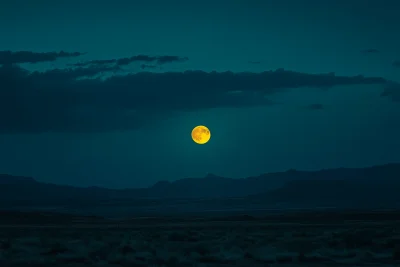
(160, 60)
(9, 57)
(315, 107)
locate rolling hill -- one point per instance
(372, 186)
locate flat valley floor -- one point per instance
(301, 239)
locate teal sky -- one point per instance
(355, 126)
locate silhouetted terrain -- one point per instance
(373, 187)
(347, 236)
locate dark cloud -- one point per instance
(170, 59)
(128, 60)
(396, 63)
(9, 57)
(315, 107)
(79, 100)
(370, 51)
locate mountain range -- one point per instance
(377, 186)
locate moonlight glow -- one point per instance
(201, 134)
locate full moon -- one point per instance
(201, 134)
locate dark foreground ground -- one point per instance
(333, 238)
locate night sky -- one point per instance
(281, 84)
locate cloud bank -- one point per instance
(80, 99)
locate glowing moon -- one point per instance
(201, 134)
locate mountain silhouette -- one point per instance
(10, 179)
(372, 186)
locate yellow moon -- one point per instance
(201, 134)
